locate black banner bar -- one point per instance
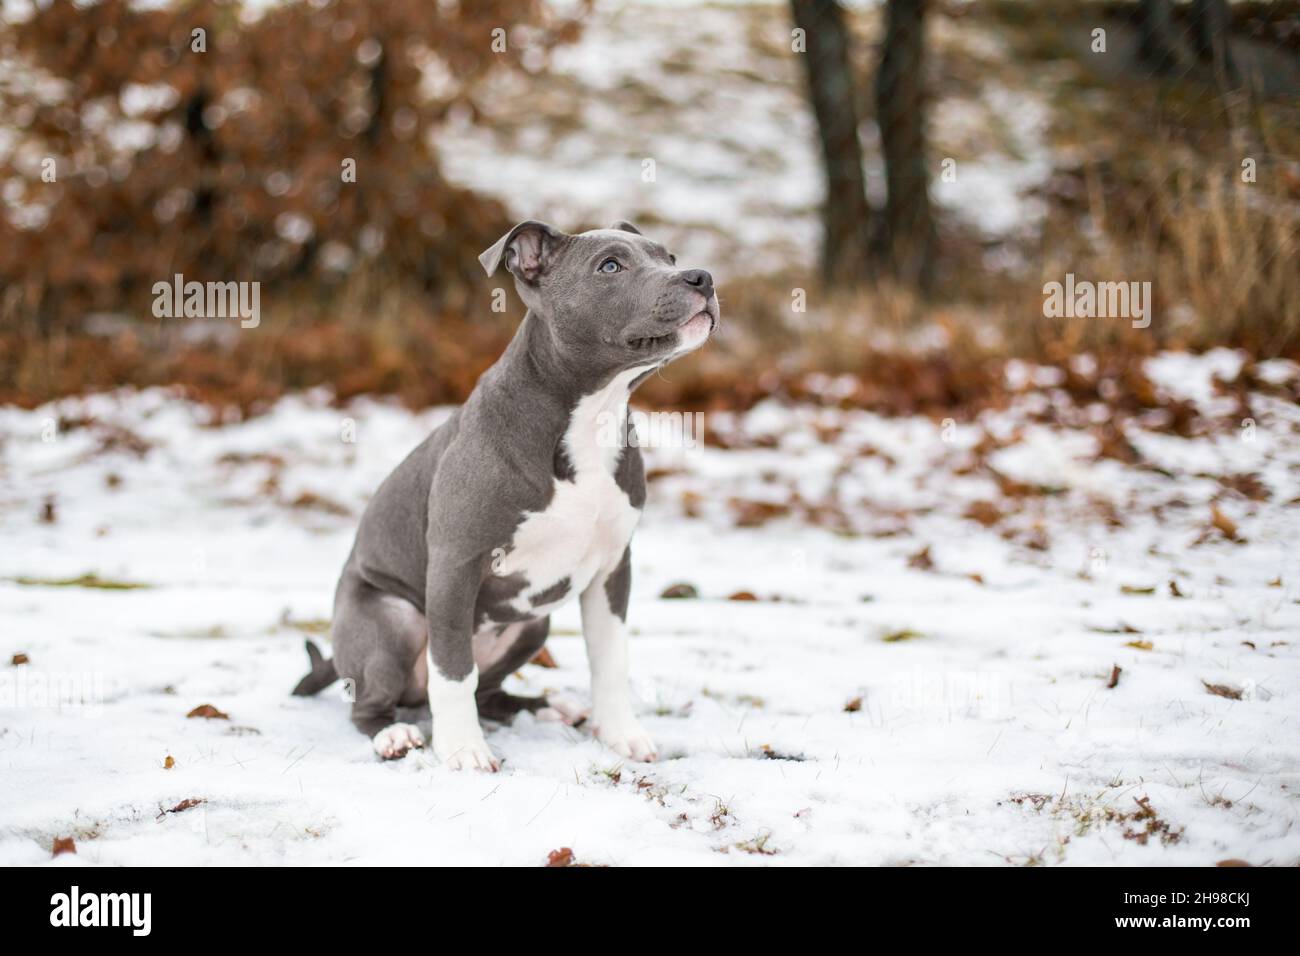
(1226, 905)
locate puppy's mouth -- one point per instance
(652, 343)
(702, 322)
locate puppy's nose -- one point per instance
(699, 280)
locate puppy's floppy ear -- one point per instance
(524, 249)
(624, 226)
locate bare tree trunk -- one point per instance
(1156, 46)
(1210, 23)
(909, 236)
(846, 217)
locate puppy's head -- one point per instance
(611, 295)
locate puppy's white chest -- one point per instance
(586, 526)
(581, 532)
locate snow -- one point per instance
(725, 129)
(991, 189)
(717, 101)
(986, 733)
(1192, 377)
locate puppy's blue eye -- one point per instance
(610, 266)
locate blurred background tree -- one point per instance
(1211, 22)
(907, 241)
(1202, 34)
(856, 246)
(846, 217)
(1156, 44)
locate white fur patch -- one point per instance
(693, 334)
(457, 737)
(586, 526)
(396, 739)
(612, 716)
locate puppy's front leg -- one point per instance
(450, 592)
(604, 613)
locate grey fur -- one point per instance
(421, 568)
(556, 592)
(321, 675)
(618, 586)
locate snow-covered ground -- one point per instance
(878, 703)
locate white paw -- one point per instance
(467, 754)
(396, 739)
(563, 710)
(626, 737)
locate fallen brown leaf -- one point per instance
(313, 501)
(543, 658)
(1113, 443)
(1223, 690)
(1011, 487)
(985, 512)
(742, 596)
(691, 501)
(19, 659)
(921, 560)
(1036, 538)
(1173, 589)
(853, 706)
(1233, 862)
(680, 591)
(1114, 677)
(1140, 645)
(754, 514)
(188, 804)
(1223, 523)
(209, 712)
(64, 845)
(561, 857)
(1249, 485)
(169, 762)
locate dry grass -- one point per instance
(1233, 256)
(1149, 186)
(372, 334)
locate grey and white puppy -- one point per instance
(518, 502)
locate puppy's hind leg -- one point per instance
(513, 647)
(377, 639)
(375, 710)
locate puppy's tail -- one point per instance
(323, 673)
